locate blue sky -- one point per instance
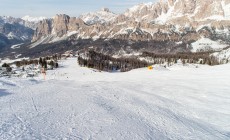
(49, 8)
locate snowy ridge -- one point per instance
(33, 19)
(136, 9)
(102, 16)
(10, 20)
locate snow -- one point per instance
(71, 33)
(9, 61)
(11, 35)
(80, 103)
(164, 17)
(172, 13)
(43, 40)
(223, 55)
(202, 26)
(207, 44)
(16, 46)
(178, 43)
(226, 8)
(124, 31)
(137, 8)
(64, 37)
(123, 53)
(33, 19)
(18, 55)
(101, 16)
(216, 17)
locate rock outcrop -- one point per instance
(43, 29)
(58, 26)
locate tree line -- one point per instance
(197, 58)
(42, 61)
(103, 62)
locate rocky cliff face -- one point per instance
(58, 26)
(44, 28)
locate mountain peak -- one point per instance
(102, 16)
(105, 10)
(33, 19)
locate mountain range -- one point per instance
(167, 26)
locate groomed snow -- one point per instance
(79, 103)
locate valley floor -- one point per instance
(79, 103)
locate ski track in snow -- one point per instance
(79, 103)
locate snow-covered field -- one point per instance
(79, 103)
(207, 44)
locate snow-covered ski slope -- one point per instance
(79, 103)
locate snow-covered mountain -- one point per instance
(179, 11)
(15, 31)
(27, 21)
(10, 20)
(32, 22)
(102, 16)
(33, 19)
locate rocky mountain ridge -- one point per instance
(170, 11)
(143, 21)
